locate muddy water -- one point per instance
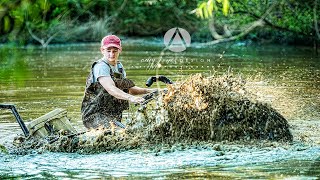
(286, 77)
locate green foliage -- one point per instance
(40, 21)
(296, 17)
(85, 20)
(288, 19)
(205, 9)
(155, 17)
(6, 24)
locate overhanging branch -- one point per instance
(41, 41)
(232, 38)
(259, 22)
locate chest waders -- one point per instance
(98, 106)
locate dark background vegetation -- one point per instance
(43, 22)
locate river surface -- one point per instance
(288, 78)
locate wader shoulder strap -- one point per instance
(120, 67)
(92, 74)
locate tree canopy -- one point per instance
(61, 21)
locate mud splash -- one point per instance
(218, 108)
(199, 110)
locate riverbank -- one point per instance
(158, 42)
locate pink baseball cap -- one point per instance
(111, 41)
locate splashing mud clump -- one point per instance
(217, 108)
(93, 141)
(96, 141)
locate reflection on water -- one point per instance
(14, 67)
(39, 81)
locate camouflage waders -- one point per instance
(98, 106)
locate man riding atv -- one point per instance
(107, 90)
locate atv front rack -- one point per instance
(17, 116)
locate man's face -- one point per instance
(110, 53)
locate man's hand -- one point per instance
(136, 100)
(151, 90)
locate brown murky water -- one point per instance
(288, 78)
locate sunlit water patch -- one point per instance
(230, 161)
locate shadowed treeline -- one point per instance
(59, 21)
(45, 21)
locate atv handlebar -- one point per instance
(161, 78)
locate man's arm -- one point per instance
(110, 87)
(135, 90)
